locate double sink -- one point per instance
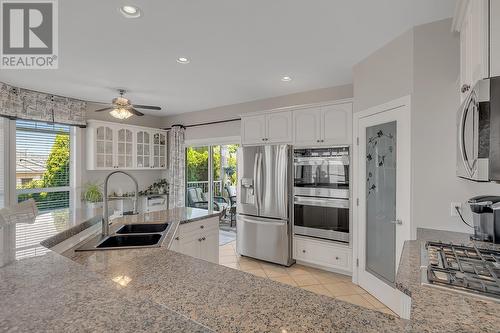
(129, 236)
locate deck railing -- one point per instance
(217, 186)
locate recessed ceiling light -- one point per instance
(183, 60)
(286, 79)
(130, 11)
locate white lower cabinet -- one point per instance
(198, 239)
(325, 254)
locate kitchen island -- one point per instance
(156, 289)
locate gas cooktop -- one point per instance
(463, 268)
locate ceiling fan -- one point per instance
(122, 108)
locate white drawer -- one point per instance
(199, 225)
(322, 253)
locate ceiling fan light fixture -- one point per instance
(121, 113)
(130, 11)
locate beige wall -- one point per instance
(235, 110)
(385, 75)
(424, 62)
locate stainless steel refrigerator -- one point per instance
(264, 203)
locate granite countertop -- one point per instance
(157, 289)
(437, 309)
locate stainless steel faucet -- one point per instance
(105, 218)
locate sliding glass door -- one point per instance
(211, 177)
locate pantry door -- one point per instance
(383, 196)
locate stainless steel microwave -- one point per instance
(478, 149)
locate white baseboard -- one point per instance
(325, 268)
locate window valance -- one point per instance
(32, 105)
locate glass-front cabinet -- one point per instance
(143, 149)
(104, 147)
(117, 146)
(159, 150)
(125, 144)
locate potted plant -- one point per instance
(92, 195)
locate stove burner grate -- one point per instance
(464, 267)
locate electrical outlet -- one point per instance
(454, 206)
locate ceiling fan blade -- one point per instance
(104, 109)
(137, 113)
(148, 107)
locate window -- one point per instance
(43, 164)
(42, 173)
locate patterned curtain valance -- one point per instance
(32, 105)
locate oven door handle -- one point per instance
(322, 202)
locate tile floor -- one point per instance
(317, 281)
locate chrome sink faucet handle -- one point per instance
(105, 218)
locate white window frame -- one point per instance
(75, 142)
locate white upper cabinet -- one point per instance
(143, 144)
(119, 146)
(279, 127)
(306, 125)
(253, 129)
(159, 150)
(274, 127)
(325, 125)
(473, 24)
(318, 125)
(336, 124)
(104, 146)
(124, 151)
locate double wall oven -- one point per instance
(321, 193)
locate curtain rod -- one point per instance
(204, 124)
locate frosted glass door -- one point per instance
(381, 201)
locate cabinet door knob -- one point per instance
(303, 251)
(465, 87)
(202, 226)
(203, 238)
(336, 258)
(199, 239)
(176, 238)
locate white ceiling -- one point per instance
(239, 49)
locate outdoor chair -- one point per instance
(197, 199)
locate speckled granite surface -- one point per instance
(156, 289)
(227, 300)
(438, 310)
(54, 294)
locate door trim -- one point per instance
(408, 233)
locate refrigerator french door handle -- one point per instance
(256, 188)
(258, 194)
